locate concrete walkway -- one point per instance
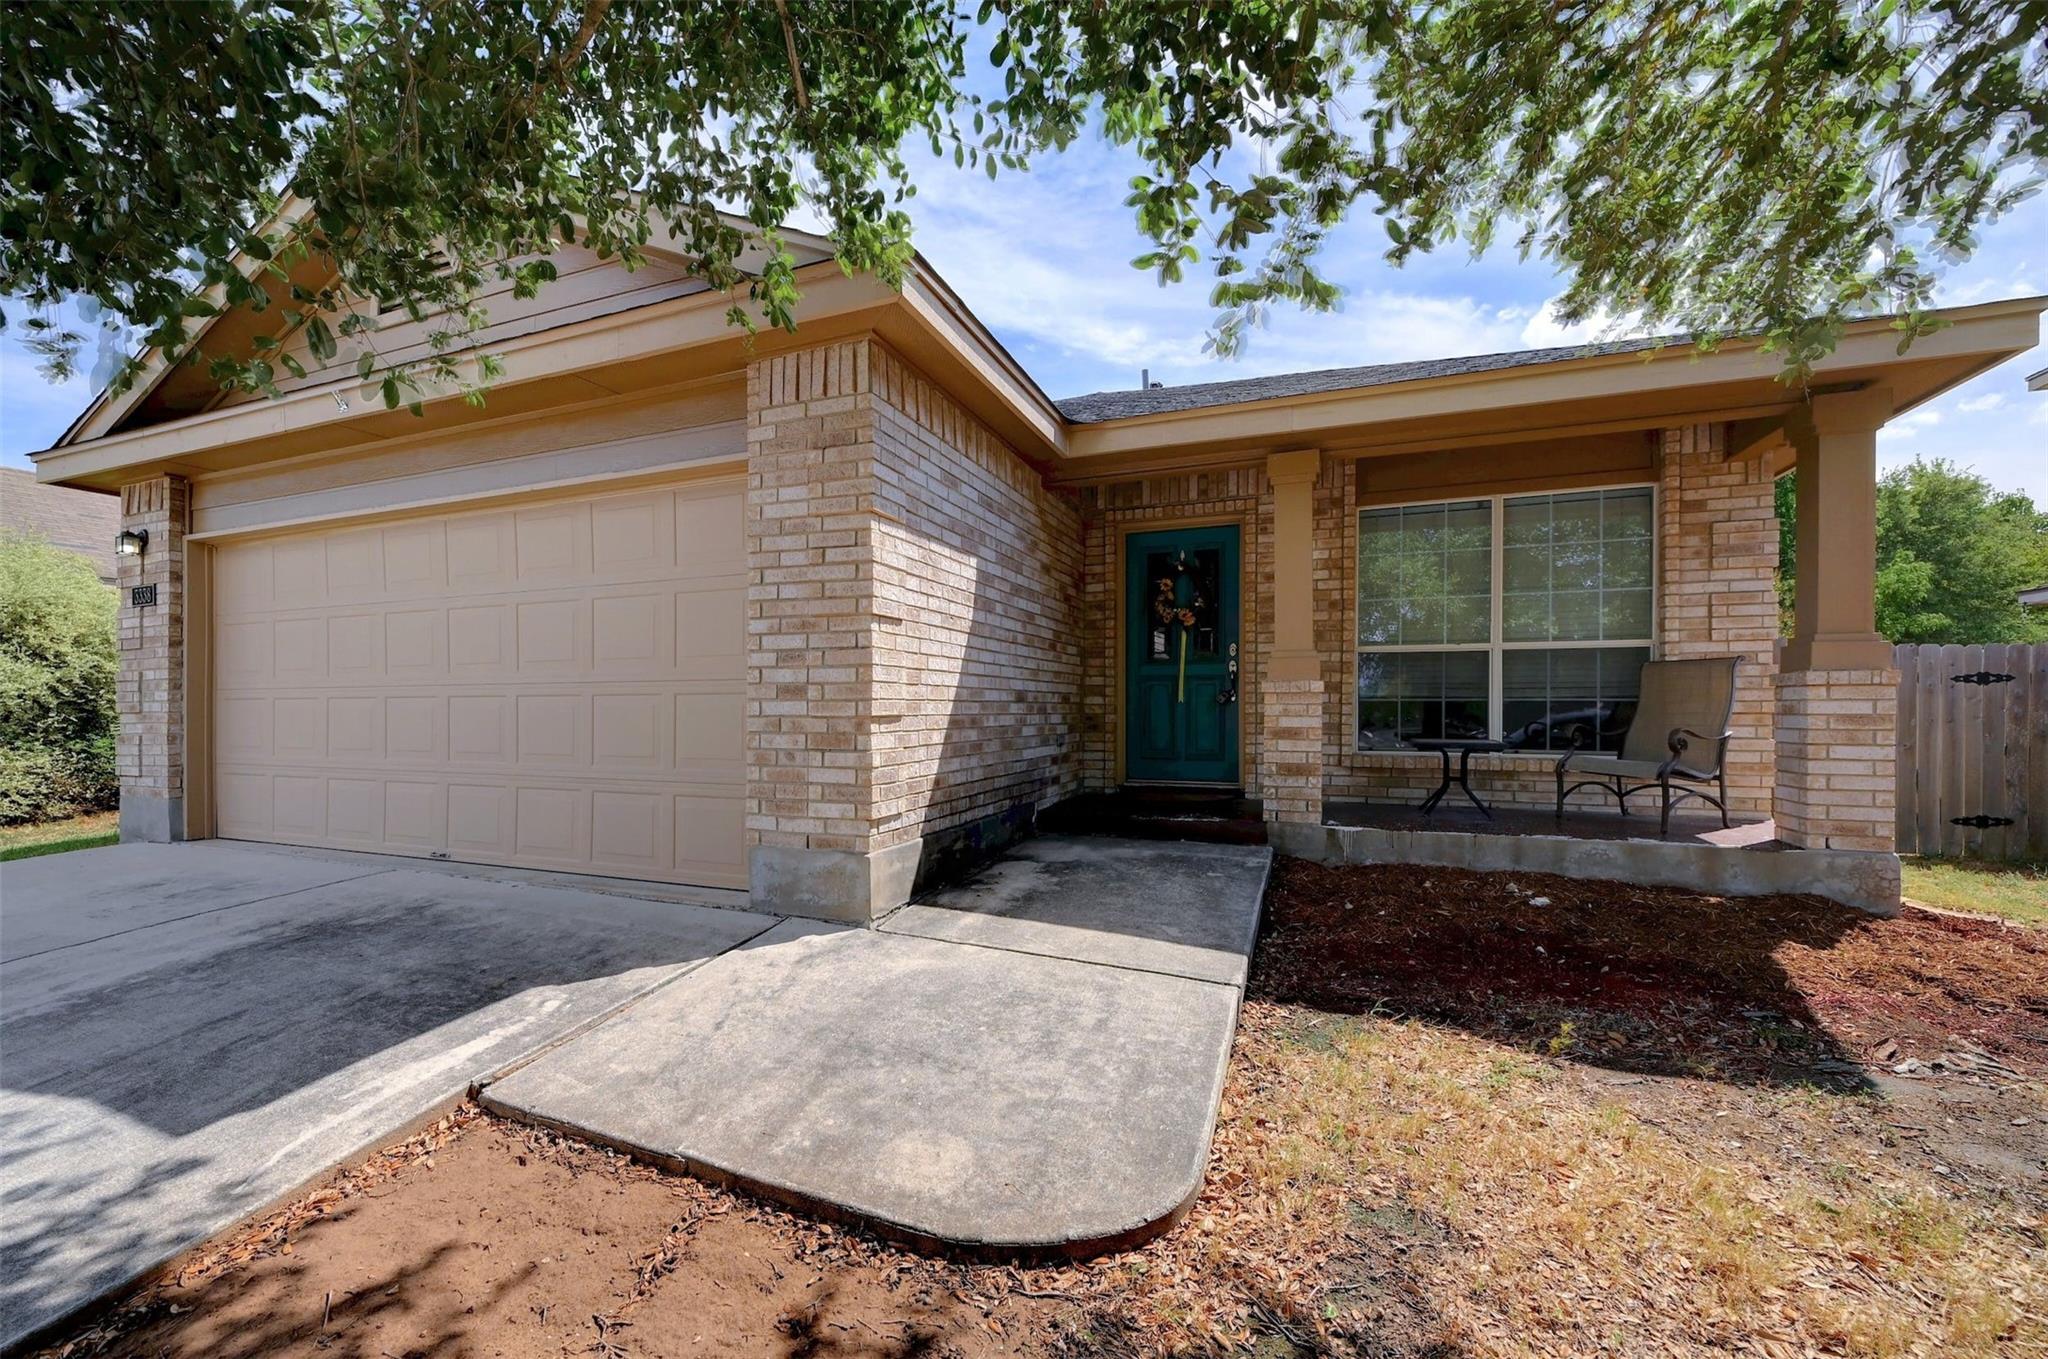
(1031, 1061)
(188, 1032)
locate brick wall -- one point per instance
(913, 630)
(1291, 777)
(1717, 546)
(1837, 780)
(977, 637)
(149, 690)
(1717, 551)
(810, 598)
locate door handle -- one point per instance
(1228, 694)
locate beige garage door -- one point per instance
(553, 685)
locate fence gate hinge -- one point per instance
(1980, 821)
(1983, 677)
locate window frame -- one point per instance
(1496, 647)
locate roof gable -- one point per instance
(586, 286)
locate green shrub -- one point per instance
(58, 658)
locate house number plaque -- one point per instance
(142, 596)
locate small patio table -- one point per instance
(1465, 751)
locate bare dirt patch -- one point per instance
(1457, 1123)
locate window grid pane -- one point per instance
(1425, 574)
(1574, 566)
(1577, 566)
(1421, 695)
(1555, 697)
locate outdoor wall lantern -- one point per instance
(131, 542)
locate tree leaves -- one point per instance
(1693, 165)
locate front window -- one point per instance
(1522, 618)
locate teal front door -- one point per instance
(1181, 655)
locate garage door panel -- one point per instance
(634, 534)
(552, 545)
(415, 645)
(553, 637)
(480, 821)
(298, 573)
(298, 805)
(480, 552)
(355, 647)
(415, 729)
(355, 566)
(480, 642)
(415, 814)
(298, 650)
(559, 685)
(298, 729)
(355, 810)
(415, 559)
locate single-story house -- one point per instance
(76, 521)
(808, 615)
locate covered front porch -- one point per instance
(1808, 735)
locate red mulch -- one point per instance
(1656, 979)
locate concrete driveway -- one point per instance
(188, 1032)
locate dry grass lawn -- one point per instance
(1467, 1115)
(56, 837)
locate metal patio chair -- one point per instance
(1677, 743)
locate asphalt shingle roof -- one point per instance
(1097, 407)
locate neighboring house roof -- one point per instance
(2037, 595)
(1097, 407)
(84, 522)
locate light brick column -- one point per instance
(1291, 694)
(1837, 710)
(1837, 773)
(1718, 558)
(913, 652)
(1291, 776)
(150, 688)
(810, 614)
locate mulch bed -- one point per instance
(1657, 979)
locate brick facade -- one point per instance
(914, 654)
(1717, 545)
(810, 599)
(150, 688)
(1291, 778)
(1837, 781)
(1717, 552)
(977, 636)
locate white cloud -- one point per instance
(1975, 405)
(1912, 423)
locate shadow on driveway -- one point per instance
(162, 1077)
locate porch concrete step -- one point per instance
(1161, 814)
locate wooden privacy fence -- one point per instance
(1973, 750)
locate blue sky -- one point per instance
(1043, 259)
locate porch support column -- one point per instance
(1837, 694)
(1291, 690)
(149, 687)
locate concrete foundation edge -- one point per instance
(857, 889)
(151, 818)
(1867, 880)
